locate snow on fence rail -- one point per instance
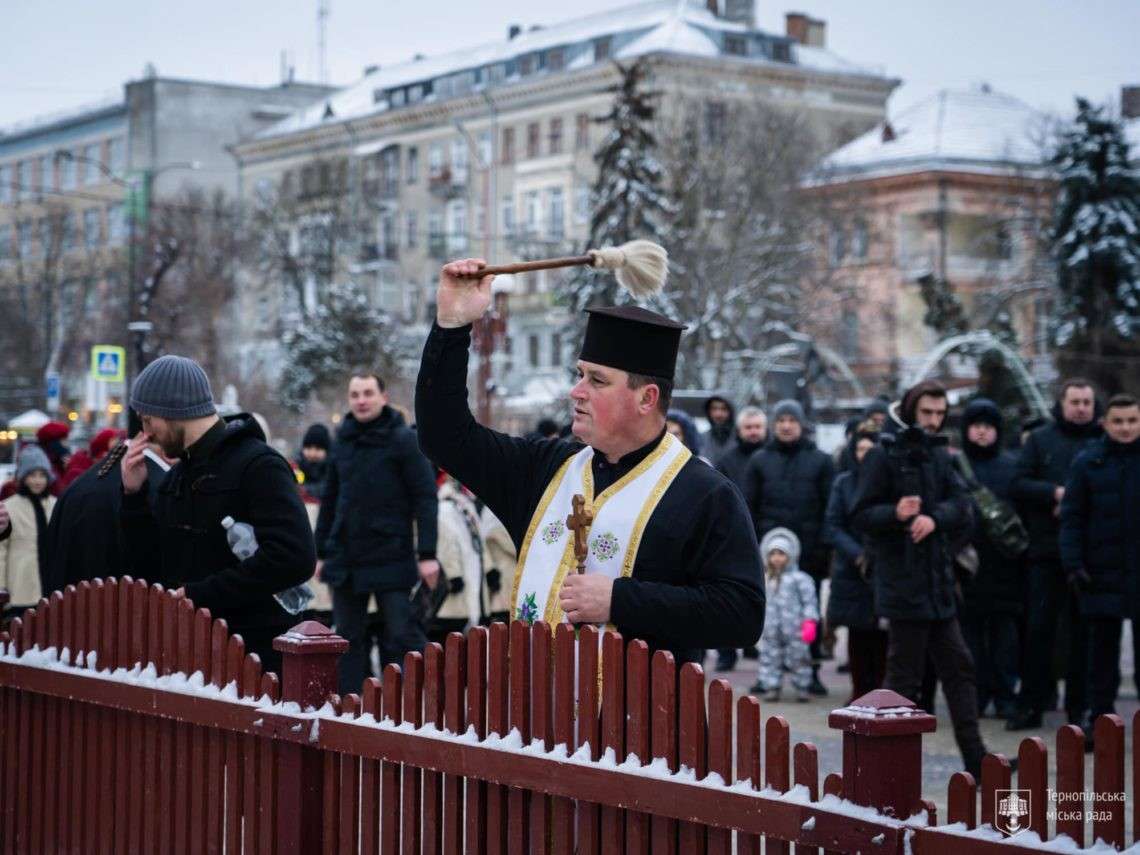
(130, 720)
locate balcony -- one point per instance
(445, 185)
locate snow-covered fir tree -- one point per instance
(343, 332)
(1096, 240)
(627, 199)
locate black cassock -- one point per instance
(697, 581)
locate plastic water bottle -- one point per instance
(243, 544)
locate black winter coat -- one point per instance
(316, 473)
(733, 462)
(378, 483)
(84, 537)
(788, 485)
(913, 581)
(852, 600)
(229, 472)
(998, 586)
(1100, 527)
(1042, 466)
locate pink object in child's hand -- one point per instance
(807, 631)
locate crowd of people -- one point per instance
(971, 566)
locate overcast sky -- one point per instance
(60, 54)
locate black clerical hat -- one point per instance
(633, 339)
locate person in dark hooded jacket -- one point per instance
(681, 425)
(1038, 487)
(224, 469)
(991, 597)
(379, 485)
(912, 507)
(852, 600)
(722, 417)
(313, 459)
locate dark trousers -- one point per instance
(867, 655)
(402, 632)
(1104, 663)
(993, 644)
(1047, 599)
(910, 642)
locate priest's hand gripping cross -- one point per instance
(579, 522)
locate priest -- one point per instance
(671, 551)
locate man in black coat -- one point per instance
(379, 484)
(1038, 487)
(912, 506)
(1100, 543)
(84, 537)
(787, 484)
(224, 469)
(991, 597)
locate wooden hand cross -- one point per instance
(579, 522)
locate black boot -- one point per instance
(726, 659)
(1024, 720)
(817, 688)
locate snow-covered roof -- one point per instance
(650, 26)
(952, 129)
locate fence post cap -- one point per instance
(310, 637)
(882, 713)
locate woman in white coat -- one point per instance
(24, 543)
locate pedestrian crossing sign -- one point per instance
(108, 363)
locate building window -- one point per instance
(715, 116)
(46, 236)
(397, 98)
(415, 93)
(838, 249)
(508, 209)
(5, 242)
(508, 145)
(782, 52)
(533, 135)
(92, 228)
(116, 224)
(485, 156)
(69, 236)
(859, 241)
(117, 156)
(480, 220)
(555, 213)
(92, 160)
(67, 173)
(849, 334)
(555, 59)
(603, 48)
(5, 184)
(556, 350)
(582, 204)
(735, 45)
(532, 350)
(435, 160)
(459, 161)
(436, 243)
(457, 225)
(24, 187)
(24, 239)
(526, 65)
(556, 136)
(412, 226)
(530, 212)
(1003, 243)
(47, 173)
(413, 165)
(582, 131)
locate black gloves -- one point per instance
(494, 580)
(455, 584)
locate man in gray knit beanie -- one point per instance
(224, 469)
(172, 397)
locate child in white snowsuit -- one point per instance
(791, 617)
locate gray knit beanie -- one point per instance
(173, 387)
(31, 459)
(788, 407)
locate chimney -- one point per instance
(741, 12)
(370, 69)
(713, 7)
(513, 30)
(888, 132)
(1130, 102)
(805, 29)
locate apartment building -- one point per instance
(488, 151)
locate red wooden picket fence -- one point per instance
(132, 722)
